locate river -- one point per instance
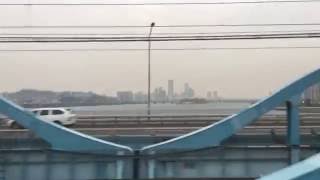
(163, 109)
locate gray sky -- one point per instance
(236, 73)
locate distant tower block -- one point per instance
(312, 95)
(188, 91)
(215, 95)
(209, 95)
(170, 90)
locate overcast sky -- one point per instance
(233, 73)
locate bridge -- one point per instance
(222, 149)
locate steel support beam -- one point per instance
(59, 137)
(169, 168)
(308, 169)
(294, 154)
(293, 118)
(24, 171)
(120, 166)
(293, 129)
(151, 166)
(136, 165)
(215, 133)
(72, 167)
(48, 167)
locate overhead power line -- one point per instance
(158, 26)
(155, 33)
(161, 3)
(164, 38)
(159, 38)
(164, 49)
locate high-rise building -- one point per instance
(140, 97)
(186, 87)
(312, 95)
(170, 90)
(215, 95)
(188, 91)
(159, 95)
(125, 96)
(209, 95)
(212, 95)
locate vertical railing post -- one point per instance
(293, 128)
(119, 166)
(151, 166)
(136, 165)
(48, 167)
(169, 169)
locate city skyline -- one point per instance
(159, 94)
(35, 98)
(165, 88)
(312, 93)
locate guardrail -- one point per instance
(99, 121)
(187, 120)
(162, 131)
(173, 125)
(138, 117)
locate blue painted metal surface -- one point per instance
(305, 170)
(293, 121)
(293, 132)
(222, 162)
(214, 134)
(59, 137)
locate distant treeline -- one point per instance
(36, 98)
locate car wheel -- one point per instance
(15, 125)
(58, 122)
(69, 125)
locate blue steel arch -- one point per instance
(308, 169)
(59, 137)
(214, 134)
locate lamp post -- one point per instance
(149, 68)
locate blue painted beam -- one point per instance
(293, 121)
(59, 137)
(214, 134)
(308, 169)
(293, 132)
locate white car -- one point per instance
(60, 116)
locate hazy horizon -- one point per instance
(233, 73)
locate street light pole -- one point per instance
(149, 68)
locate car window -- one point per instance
(44, 113)
(56, 112)
(35, 112)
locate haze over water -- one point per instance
(164, 109)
